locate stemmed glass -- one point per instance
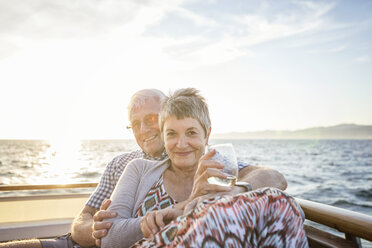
(225, 154)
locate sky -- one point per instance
(68, 68)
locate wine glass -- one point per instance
(225, 154)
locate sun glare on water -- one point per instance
(60, 162)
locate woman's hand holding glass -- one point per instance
(208, 168)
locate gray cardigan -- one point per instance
(134, 184)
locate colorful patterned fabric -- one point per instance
(156, 199)
(262, 218)
(112, 174)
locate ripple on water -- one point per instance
(365, 194)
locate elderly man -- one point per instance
(143, 112)
(90, 225)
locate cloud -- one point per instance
(69, 18)
(335, 49)
(362, 59)
(180, 29)
(63, 18)
(33, 21)
(225, 35)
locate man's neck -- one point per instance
(162, 155)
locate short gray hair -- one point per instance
(184, 103)
(140, 97)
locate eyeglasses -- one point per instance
(149, 121)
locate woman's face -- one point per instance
(184, 141)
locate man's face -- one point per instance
(144, 122)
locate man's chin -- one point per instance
(153, 151)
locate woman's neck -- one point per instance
(183, 173)
(178, 182)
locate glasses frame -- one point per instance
(149, 120)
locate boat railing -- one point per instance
(17, 212)
(354, 225)
(46, 186)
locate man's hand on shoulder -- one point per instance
(101, 227)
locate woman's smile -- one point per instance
(183, 154)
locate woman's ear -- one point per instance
(208, 134)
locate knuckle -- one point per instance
(99, 215)
(204, 164)
(95, 226)
(95, 217)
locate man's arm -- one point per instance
(260, 177)
(82, 227)
(256, 176)
(125, 229)
(101, 224)
(81, 230)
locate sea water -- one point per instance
(335, 172)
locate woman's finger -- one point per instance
(212, 172)
(211, 164)
(205, 164)
(144, 228)
(159, 218)
(202, 187)
(151, 222)
(208, 155)
(203, 177)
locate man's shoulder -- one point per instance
(125, 158)
(130, 155)
(142, 162)
(142, 165)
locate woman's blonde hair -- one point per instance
(185, 103)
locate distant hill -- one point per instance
(342, 131)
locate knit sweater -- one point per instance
(131, 189)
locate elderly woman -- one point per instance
(150, 194)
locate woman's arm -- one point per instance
(125, 229)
